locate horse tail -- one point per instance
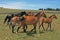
(5, 19)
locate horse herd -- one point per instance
(23, 19)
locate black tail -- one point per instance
(5, 19)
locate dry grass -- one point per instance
(5, 32)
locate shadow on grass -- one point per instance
(31, 33)
(41, 32)
(22, 32)
(49, 30)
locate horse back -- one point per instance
(29, 20)
(45, 20)
(15, 18)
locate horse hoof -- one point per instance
(24, 31)
(46, 30)
(13, 32)
(16, 32)
(34, 31)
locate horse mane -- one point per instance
(21, 13)
(51, 16)
(37, 13)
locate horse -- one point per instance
(46, 20)
(28, 20)
(16, 18)
(10, 16)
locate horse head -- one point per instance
(43, 14)
(54, 16)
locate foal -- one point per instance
(47, 20)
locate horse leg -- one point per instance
(13, 28)
(24, 28)
(50, 26)
(5, 19)
(40, 25)
(43, 27)
(47, 27)
(8, 21)
(18, 28)
(34, 28)
(10, 24)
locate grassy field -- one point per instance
(5, 32)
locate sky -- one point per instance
(29, 4)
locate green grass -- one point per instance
(5, 32)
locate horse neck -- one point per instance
(38, 16)
(51, 17)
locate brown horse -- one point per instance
(15, 19)
(47, 20)
(29, 20)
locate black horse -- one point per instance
(9, 16)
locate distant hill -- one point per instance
(6, 10)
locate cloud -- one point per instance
(25, 5)
(12, 5)
(22, 5)
(17, 5)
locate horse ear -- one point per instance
(43, 11)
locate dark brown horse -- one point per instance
(16, 19)
(47, 20)
(28, 20)
(10, 16)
